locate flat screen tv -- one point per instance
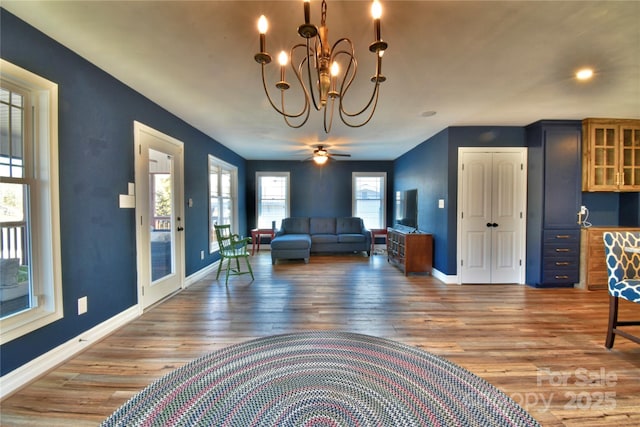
(407, 208)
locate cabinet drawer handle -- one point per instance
(562, 277)
(562, 236)
(563, 250)
(562, 263)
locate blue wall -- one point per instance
(611, 209)
(432, 168)
(96, 115)
(426, 168)
(320, 191)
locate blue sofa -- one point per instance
(299, 237)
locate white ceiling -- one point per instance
(473, 63)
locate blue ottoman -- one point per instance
(291, 246)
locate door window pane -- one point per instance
(161, 184)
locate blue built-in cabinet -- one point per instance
(554, 198)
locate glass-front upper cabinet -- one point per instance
(611, 155)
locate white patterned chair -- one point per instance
(624, 279)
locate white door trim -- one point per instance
(142, 239)
(523, 228)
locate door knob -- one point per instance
(492, 224)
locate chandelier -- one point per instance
(324, 72)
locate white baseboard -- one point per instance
(200, 274)
(445, 278)
(28, 372)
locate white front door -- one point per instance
(492, 197)
(159, 216)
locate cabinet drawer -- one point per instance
(569, 236)
(566, 250)
(559, 276)
(557, 263)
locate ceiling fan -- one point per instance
(321, 155)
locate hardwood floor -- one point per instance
(543, 347)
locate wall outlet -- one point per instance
(583, 210)
(82, 305)
(441, 203)
(201, 254)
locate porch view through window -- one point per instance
(30, 279)
(15, 271)
(273, 198)
(161, 185)
(369, 201)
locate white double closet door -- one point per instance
(491, 215)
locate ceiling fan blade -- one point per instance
(339, 155)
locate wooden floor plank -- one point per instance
(543, 347)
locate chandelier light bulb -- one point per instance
(376, 10)
(263, 24)
(335, 69)
(283, 58)
(263, 56)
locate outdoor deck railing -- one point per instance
(13, 241)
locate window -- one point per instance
(223, 195)
(30, 280)
(369, 198)
(272, 198)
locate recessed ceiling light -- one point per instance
(584, 74)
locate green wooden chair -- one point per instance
(232, 248)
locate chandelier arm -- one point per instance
(308, 92)
(282, 112)
(306, 108)
(328, 129)
(374, 95)
(312, 53)
(349, 76)
(373, 110)
(298, 73)
(346, 84)
(286, 118)
(353, 63)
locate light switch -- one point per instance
(127, 201)
(82, 305)
(441, 203)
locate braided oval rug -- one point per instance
(320, 379)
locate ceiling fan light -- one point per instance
(320, 160)
(584, 74)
